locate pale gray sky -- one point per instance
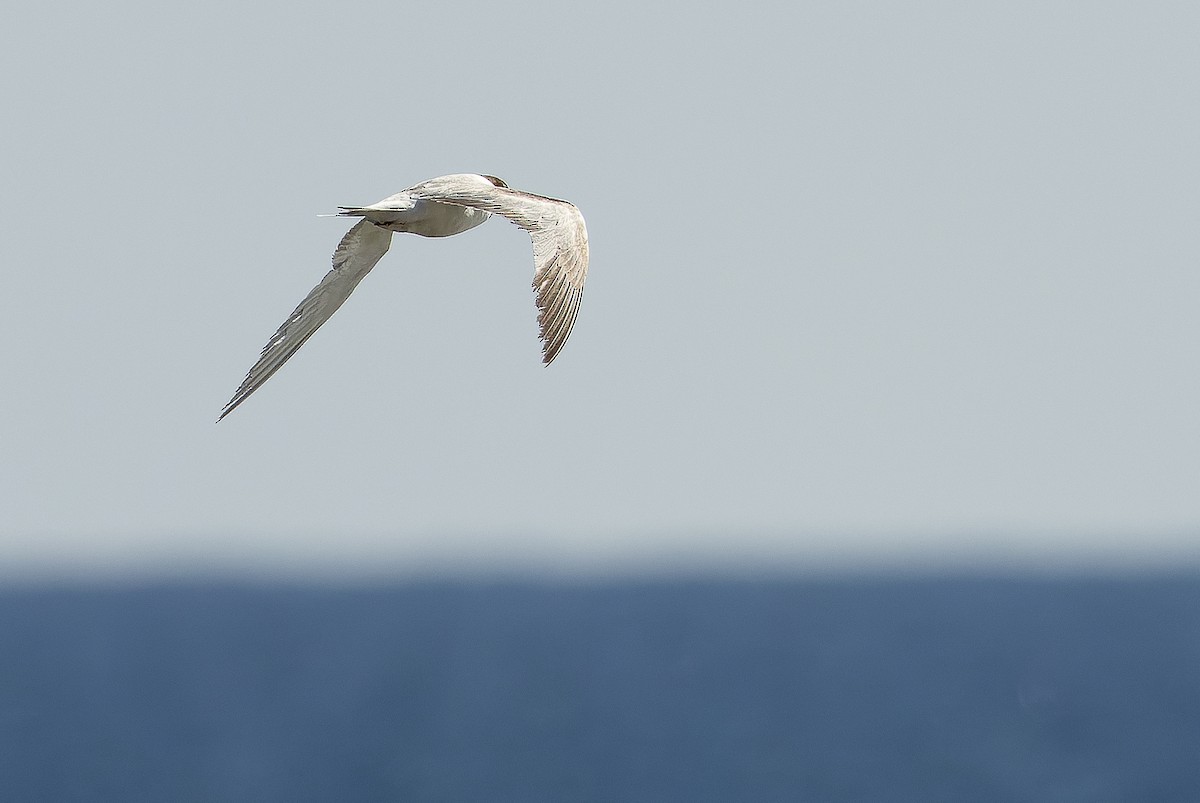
(909, 282)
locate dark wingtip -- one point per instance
(229, 407)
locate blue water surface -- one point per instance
(871, 689)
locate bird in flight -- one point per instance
(441, 207)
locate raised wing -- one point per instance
(362, 247)
(560, 245)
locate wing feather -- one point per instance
(359, 251)
(560, 246)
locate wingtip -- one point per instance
(229, 408)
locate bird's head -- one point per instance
(499, 182)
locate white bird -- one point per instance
(442, 207)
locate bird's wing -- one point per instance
(362, 247)
(560, 246)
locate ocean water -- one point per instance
(856, 689)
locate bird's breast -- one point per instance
(433, 219)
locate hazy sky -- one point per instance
(897, 279)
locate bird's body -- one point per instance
(442, 207)
(407, 215)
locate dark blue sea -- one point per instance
(834, 689)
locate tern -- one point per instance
(442, 207)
